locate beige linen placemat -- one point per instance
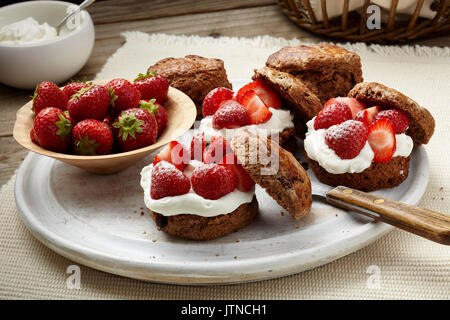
(398, 266)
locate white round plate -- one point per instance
(100, 222)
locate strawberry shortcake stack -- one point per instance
(364, 141)
(269, 105)
(199, 193)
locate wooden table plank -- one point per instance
(131, 10)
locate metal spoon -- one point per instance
(84, 4)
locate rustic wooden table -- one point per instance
(215, 18)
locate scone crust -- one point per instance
(287, 183)
(421, 122)
(295, 95)
(327, 70)
(380, 175)
(193, 75)
(194, 227)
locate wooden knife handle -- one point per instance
(426, 223)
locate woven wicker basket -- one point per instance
(352, 26)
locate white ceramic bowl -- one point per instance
(24, 66)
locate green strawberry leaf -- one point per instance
(86, 147)
(141, 76)
(64, 127)
(112, 95)
(150, 106)
(128, 125)
(80, 92)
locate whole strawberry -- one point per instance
(212, 181)
(152, 86)
(347, 139)
(48, 95)
(335, 113)
(214, 98)
(51, 130)
(157, 110)
(230, 115)
(135, 128)
(73, 87)
(124, 95)
(92, 137)
(168, 181)
(91, 102)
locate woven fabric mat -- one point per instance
(398, 266)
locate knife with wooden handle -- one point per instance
(432, 225)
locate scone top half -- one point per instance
(295, 96)
(327, 70)
(275, 170)
(194, 75)
(421, 122)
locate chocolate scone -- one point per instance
(276, 170)
(421, 122)
(193, 75)
(379, 175)
(294, 94)
(194, 227)
(327, 70)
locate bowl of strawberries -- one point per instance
(103, 126)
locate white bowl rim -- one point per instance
(44, 43)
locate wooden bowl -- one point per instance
(181, 114)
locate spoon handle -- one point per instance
(84, 4)
(432, 225)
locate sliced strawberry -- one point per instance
(347, 139)
(230, 115)
(175, 154)
(212, 181)
(263, 91)
(258, 111)
(168, 181)
(382, 140)
(218, 148)
(213, 100)
(366, 116)
(335, 113)
(355, 105)
(244, 182)
(198, 146)
(399, 119)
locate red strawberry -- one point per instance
(48, 95)
(52, 130)
(258, 111)
(92, 137)
(135, 128)
(213, 100)
(366, 116)
(168, 181)
(175, 154)
(33, 136)
(198, 146)
(398, 118)
(152, 86)
(124, 95)
(335, 113)
(244, 181)
(212, 181)
(73, 87)
(382, 140)
(230, 115)
(218, 148)
(347, 139)
(264, 92)
(91, 102)
(355, 105)
(157, 110)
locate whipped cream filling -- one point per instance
(317, 149)
(280, 120)
(192, 203)
(27, 31)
